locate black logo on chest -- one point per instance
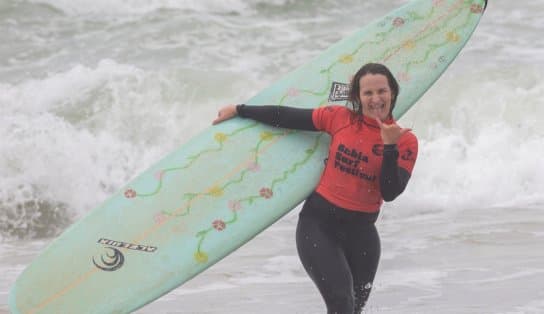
(377, 149)
(348, 160)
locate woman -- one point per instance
(370, 160)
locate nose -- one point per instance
(375, 98)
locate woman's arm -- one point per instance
(278, 116)
(393, 179)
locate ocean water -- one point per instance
(94, 92)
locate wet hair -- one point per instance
(371, 68)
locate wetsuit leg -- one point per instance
(324, 261)
(363, 257)
(338, 256)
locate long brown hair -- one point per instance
(371, 68)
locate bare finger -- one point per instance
(380, 123)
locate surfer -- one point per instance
(370, 160)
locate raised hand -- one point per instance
(391, 132)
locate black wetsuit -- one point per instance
(339, 248)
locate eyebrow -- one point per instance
(379, 89)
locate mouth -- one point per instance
(377, 109)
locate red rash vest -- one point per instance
(351, 178)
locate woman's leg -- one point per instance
(363, 255)
(324, 259)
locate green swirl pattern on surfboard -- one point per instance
(233, 180)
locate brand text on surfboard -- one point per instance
(130, 246)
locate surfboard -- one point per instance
(233, 180)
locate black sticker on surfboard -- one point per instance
(114, 259)
(110, 262)
(339, 92)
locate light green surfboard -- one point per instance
(232, 181)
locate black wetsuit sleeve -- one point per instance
(393, 179)
(279, 116)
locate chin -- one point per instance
(379, 116)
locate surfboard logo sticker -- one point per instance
(111, 262)
(114, 258)
(339, 92)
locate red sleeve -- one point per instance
(324, 118)
(407, 147)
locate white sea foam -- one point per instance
(479, 143)
(131, 7)
(69, 140)
(277, 269)
(413, 277)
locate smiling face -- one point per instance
(375, 96)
